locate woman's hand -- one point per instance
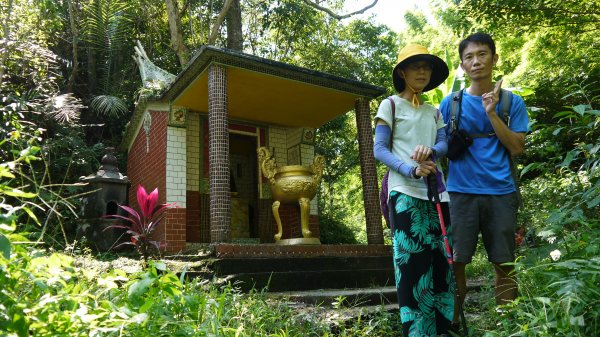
(421, 153)
(426, 168)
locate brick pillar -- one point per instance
(218, 154)
(368, 172)
(175, 177)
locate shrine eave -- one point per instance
(266, 91)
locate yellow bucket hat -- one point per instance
(415, 53)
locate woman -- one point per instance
(423, 279)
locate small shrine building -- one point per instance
(197, 143)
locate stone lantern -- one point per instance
(106, 190)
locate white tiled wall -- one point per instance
(176, 166)
(294, 136)
(284, 138)
(307, 153)
(278, 141)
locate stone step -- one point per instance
(299, 264)
(310, 280)
(368, 296)
(362, 297)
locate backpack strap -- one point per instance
(393, 120)
(505, 103)
(503, 112)
(455, 109)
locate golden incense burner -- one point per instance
(292, 183)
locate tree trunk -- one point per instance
(235, 37)
(177, 43)
(6, 32)
(75, 40)
(215, 29)
(91, 70)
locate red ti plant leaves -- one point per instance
(142, 227)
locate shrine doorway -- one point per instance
(244, 185)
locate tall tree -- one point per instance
(235, 36)
(73, 19)
(5, 25)
(177, 38)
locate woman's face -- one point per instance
(417, 75)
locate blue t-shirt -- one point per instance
(484, 168)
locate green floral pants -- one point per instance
(423, 277)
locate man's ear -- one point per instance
(462, 66)
(495, 58)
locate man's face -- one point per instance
(478, 61)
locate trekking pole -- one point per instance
(432, 194)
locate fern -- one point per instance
(109, 106)
(106, 32)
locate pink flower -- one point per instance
(147, 202)
(141, 227)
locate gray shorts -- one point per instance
(495, 216)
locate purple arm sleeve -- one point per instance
(441, 143)
(382, 152)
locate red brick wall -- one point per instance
(290, 222)
(149, 169)
(204, 217)
(175, 231)
(313, 224)
(193, 233)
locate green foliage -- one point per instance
(109, 106)
(333, 231)
(48, 295)
(142, 226)
(549, 47)
(39, 141)
(106, 31)
(558, 278)
(579, 16)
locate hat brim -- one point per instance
(439, 72)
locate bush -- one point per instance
(334, 231)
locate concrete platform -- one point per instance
(225, 250)
(304, 267)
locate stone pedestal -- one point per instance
(100, 236)
(106, 190)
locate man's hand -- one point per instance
(490, 99)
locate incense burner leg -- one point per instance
(304, 215)
(275, 208)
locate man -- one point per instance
(483, 195)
